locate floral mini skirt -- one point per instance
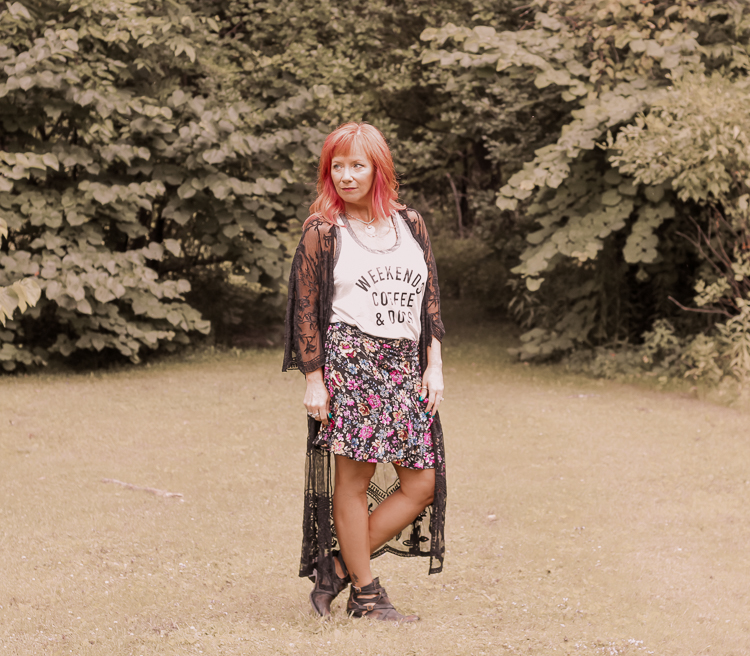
(374, 386)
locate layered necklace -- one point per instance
(369, 228)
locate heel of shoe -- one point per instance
(372, 601)
(326, 589)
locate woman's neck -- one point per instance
(362, 212)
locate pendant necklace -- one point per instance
(369, 228)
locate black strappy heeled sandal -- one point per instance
(372, 601)
(326, 590)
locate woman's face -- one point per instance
(353, 175)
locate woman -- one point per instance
(363, 324)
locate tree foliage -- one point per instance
(129, 164)
(579, 162)
(153, 155)
(650, 151)
(22, 294)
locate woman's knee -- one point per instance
(351, 487)
(419, 487)
(426, 498)
(428, 493)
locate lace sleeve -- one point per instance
(307, 286)
(432, 291)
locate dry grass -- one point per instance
(584, 517)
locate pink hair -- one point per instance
(342, 141)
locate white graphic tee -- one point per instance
(380, 292)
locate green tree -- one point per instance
(128, 167)
(323, 63)
(156, 158)
(605, 250)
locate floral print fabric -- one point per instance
(374, 386)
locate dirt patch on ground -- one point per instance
(584, 517)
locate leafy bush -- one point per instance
(734, 337)
(156, 157)
(22, 294)
(641, 193)
(721, 356)
(127, 165)
(151, 152)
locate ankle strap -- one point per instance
(372, 587)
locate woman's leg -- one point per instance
(360, 535)
(400, 508)
(350, 516)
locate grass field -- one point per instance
(583, 517)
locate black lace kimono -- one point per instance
(308, 314)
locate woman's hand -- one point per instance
(317, 399)
(432, 387)
(432, 380)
